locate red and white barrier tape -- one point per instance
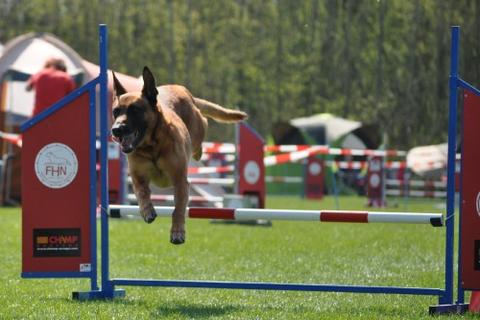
(224, 157)
(336, 151)
(417, 193)
(13, 138)
(216, 181)
(285, 179)
(303, 154)
(231, 181)
(292, 156)
(170, 198)
(214, 147)
(207, 170)
(416, 183)
(364, 164)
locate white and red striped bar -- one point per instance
(224, 157)
(363, 164)
(215, 147)
(200, 180)
(13, 138)
(215, 181)
(305, 153)
(418, 193)
(199, 200)
(283, 179)
(208, 170)
(435, 219)
(336, 151)
(348, 165)
(293, 156)
(416, 183)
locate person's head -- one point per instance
(56, 63)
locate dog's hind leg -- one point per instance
(181, 190)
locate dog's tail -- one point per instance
(219, 113)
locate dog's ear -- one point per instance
(149, 90)
(118, 89)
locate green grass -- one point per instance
(380, 254)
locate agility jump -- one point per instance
(239, 214)
(59, 202)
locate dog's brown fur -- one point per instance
(160, 129)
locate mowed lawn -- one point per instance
(297, 252)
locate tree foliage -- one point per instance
(377, 61)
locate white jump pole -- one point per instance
(239, 214)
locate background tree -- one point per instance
(383, 62)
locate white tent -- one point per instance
(325, 128)
(25, 55)
(334, 127)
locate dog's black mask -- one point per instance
(129, 126)
(131, 110)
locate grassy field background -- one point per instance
(300, 252)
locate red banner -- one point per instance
(470, 208)
(314, 178)
(375, 183)
(250, 165)
(56, 193)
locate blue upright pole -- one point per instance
(93, 189)
(108, 290)
(454, 68)
(103, 154)
(452, 146)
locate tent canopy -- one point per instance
(25, 55)
(327, 129)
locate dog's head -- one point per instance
(133, 112)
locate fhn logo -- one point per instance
(56, 165)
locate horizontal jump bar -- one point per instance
(239, 214)
(170, 198)
(277, 286)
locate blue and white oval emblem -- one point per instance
(314, 169)
(251, 172)
(56, 165)
(375, 180)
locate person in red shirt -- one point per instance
(51, 84)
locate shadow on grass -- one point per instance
(383, 312)
(194, 310)
(171, 308)
(116, 301)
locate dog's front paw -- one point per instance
(149, 215)
(177, 236)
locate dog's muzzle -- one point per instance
(124, 136)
